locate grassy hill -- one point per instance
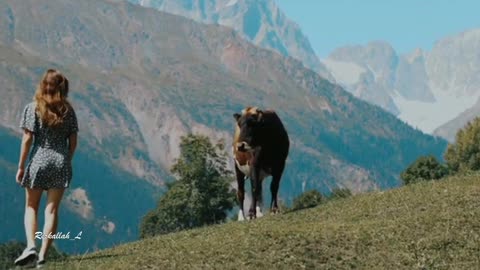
(422, 226)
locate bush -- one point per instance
(307, 199)
(423, 169)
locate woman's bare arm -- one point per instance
(27, 140)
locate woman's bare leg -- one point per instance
(32, 202)
(54, 196)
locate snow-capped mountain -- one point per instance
(425, 89)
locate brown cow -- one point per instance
(260, 149)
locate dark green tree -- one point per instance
(307, 199)
(424, 168)
(464, 154)
(200, 196)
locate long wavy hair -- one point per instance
(52, 104)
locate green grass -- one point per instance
(432, 225)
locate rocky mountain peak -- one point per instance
(260, 22)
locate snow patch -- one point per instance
(344, 72)
(429, 116)
(375, 75)
(231, 3)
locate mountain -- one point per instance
(366, 71)
(260, 22)
(425, 89)
(141, 79)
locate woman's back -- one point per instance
(52, 121)
(47, 137)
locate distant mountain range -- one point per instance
(424, 89)
(142, 78)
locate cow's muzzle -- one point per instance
(243, 147)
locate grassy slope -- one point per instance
(431, 225)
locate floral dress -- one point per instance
(49, 164)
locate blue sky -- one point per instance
(405, 24)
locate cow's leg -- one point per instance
(258, 208)
(240, 192)
(256, 190)
(274, 185)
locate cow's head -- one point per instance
(249, 123)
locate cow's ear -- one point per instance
(236, 116)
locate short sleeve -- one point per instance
(73, 123)
(28, 118)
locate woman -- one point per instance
(51, 125)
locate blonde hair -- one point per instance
(52, 104)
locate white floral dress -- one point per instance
(49, 163)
